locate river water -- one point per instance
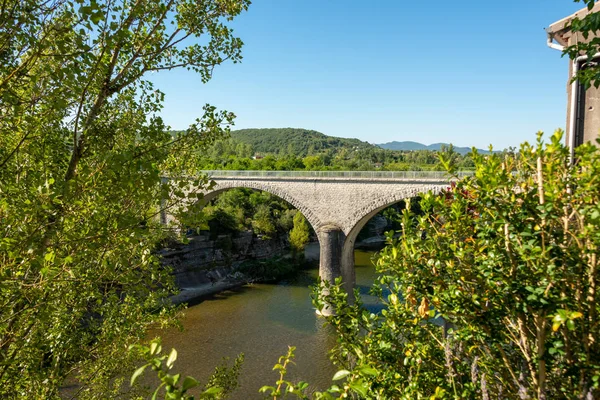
(261, 321)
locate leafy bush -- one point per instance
(262, 222)
(493, 289)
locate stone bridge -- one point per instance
(337, 204)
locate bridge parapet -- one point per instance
(338, 175)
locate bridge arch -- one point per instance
(223, 186)
(360, 219)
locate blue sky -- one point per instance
(469, 72)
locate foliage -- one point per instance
(493, 289)
(299, 235)
(286, 219)
(221, 383)
(299, 389)
(82, 151)
(263, 223)
(318, 152)
(291, 141)
(224, 220)
(587, 26)
(242, 209)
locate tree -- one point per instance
(82, 152)
(262, 222)
(299, 235)
(312, 162)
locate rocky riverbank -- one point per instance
(205, 261)
(206, 266)
(213, 281)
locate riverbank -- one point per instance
(197, 279)
(224, 279)
(187, 295)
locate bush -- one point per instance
(493, 290)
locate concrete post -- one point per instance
(331, 241)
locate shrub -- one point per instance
(493, 289)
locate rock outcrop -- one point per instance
(203, 260)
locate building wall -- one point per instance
(587, 107)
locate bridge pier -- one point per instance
(331, 242)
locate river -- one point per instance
(261, 321)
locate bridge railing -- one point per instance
(441, 175)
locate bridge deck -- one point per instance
(367, 175)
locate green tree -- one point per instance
(262, 222)
(285, 221)
(299, 235)
(313, 162)
(82, 151)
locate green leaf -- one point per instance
(369, 371)
(137, 373)
(341, 374)
(155, 394)
(189, 383)
(212, 391)
(360, 387)
(172, 358)
(97, 17)
(155, 348)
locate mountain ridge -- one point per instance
(409, 145)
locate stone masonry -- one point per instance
(337, 208)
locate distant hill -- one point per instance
(411, 146)
(302, 142)
(294, 140)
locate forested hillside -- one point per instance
(296, 141)
(288, 149)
